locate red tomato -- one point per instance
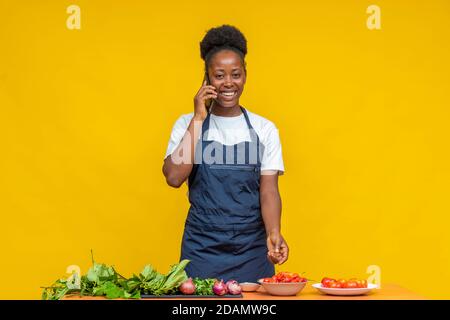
(326, 282)
(287, 277)
(279, 277)
(362, 283)
(351, 284)
(342, 283)
(335, 284)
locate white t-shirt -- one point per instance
(233, 130)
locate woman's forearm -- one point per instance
(178, 165)
(270, 203)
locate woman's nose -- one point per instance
(228, 81)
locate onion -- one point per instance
(233, 287)
(187, 287)
(220, 288)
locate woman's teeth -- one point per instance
(228, 94)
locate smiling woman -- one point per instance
(233, 226)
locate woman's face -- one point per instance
(226, 74)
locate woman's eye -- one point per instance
(219, 76)
(237, 75)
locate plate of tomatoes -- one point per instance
(344, 287)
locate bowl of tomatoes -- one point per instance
(284, 284)
(344, 287)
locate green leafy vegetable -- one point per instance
(204, 287)
(173, 280)
(56, 291)
(103, 280)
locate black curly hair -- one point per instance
(220, 38)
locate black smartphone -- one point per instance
(209, 102)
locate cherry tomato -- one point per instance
(362, 283)
(351, 284)
(335, 284)
(342, 283)
(326, 282)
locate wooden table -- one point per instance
(387, 292)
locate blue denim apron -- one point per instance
(224, 234)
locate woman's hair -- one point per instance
(220, 38)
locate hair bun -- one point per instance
(223, 36)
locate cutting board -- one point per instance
(190, 296)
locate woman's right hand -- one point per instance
(204, 93)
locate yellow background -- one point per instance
(85, 117)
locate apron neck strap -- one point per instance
(205, 126)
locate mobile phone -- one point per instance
(209, 102)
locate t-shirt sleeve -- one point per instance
(178, 131)
(272, 158)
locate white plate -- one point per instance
(345, 291)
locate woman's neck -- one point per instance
(220, 111)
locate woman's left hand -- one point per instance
(278, 248)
